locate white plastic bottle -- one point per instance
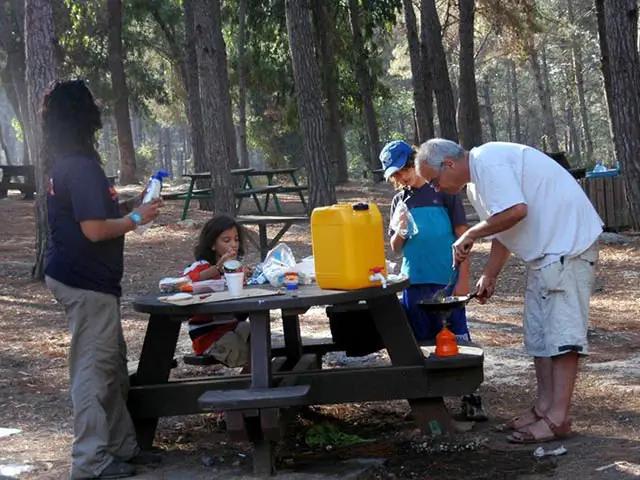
(154, 189)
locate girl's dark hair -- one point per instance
(70, 119)
(210, 233)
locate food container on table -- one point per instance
(348, 246)
(171, 284)
(214, 285)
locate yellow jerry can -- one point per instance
(348, 246)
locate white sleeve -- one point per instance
(498, 187)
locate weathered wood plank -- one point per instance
(342, 385)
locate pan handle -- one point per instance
(472, 295)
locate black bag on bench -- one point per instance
(353, 329)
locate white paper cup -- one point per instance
(234, 283)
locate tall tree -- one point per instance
(426, 79)
(216, 106)
(488, 108)
(325, 38)
(439, 70)
(306, 75)
(194, 108)
(40, 60)
(243, 154)
(424, 121)
(469, 125)
(516, 107)
(365, 83)
(5, 148)
(620, 47)
(120, 94)
(577, 64)
(13, 73)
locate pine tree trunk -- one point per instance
(194, 110)
(515, 97)
(220, 54)
(12, 76)
(121, 94)
(207, 28)
(489, 110)
(306, 76)
(623, 95)
(439, 71)
(578, 75)
(363, 76)
(424, 120)
(243, 154)
(573, 145)
(545, 100)
(469, 126)
(40, 47)
(325, 38)
(426, 77)
(5, 148)
(604, 58)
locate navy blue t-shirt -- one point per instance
(427, 256)
(79, 191)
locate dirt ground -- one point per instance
(34, 394)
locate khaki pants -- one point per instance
(102, 427)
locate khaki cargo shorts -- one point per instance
(232, 349)
(556, 310)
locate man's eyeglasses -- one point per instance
(435, 181)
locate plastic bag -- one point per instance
(278, 261)
(402, 221)
(306, 271)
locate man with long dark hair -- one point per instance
(83, 270)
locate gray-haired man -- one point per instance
(531, 206)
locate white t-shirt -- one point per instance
(560, 221)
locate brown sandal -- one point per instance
(526, 437)
(511, 424)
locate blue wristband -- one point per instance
(136, 217)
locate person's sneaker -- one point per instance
(473, 409)
(118, 469)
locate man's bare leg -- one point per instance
(544, 378)
(565, 372)
(544, 399)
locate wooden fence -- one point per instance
(607, 194)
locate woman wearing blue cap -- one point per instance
(427, 257)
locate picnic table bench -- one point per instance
(252, 402)
(262, 221)
(27, 186)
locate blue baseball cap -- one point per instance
(394, 156)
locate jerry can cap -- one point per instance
(360, 206)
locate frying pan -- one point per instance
(446, 305)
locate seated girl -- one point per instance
(224, 337)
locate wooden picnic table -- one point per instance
(270, 175)
(252, 402)
(262, 221)
(239, 195)
(27, 186)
